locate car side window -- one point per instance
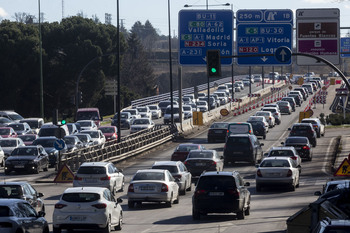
(240, 180)
(31, 190)
(107, 195)
(110, 169)
(170, 177)
(26, 190)
(27, 209)
(181, 169)
(18, 212)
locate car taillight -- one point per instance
(60, 206)
(270, 118)
(100, 206)
(131, 188)
(77, 178)
(306, 148)
(164, 188)
(233, 192)
(105, 178)
(199, 192)
(186, 163)
(178, 176)
(294, 157)
(290, 173)
(258, 173)
(213, 163)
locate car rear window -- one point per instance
(238, 128)
(301, 127)
(275, 163)
(171, 169)
(10, 191)
(219, 126)
(187, 148)
(296, 140)
(194, 155)
(216, 182)
(238, 141)
(80, 197)
(4, 211)
(286, 153)
(92, 170)
(149, 176)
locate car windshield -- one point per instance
(201, 103)
(69, 140)
(107, 129)
(285, 153)
(252, 119)
(82, 137)
(256, 123)
(216, 183)
(275, 163)
(131, 111)
(15, 117)
(238, 128)
(80, 197)
(10, 191)
(33, 124)
(8, 143)
(164, 104)
(27, 138)
(141, 122)
(142, 109)
(202, 154)
(283, 103)
(25, 151)
(187, 108)
(90, 115)
(4, 131)
(85, 123)
(171, 169)
(168, 110)
(265, 113)
(17, 126)
(149, 176)
(309, 121)
(219, 126)
(186, 148)
(91, 170)
(45, 143)
(152, 107)
(93, 134)
(296, 140)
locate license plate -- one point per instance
(200, 164)
(274, 174)
(77, 218)
(90, 180)
(217, 131)
(19, 166)
(147, 188)
(216, 194)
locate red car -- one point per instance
(182, 150)
(28, 138)
(110, 132)
(7, 132)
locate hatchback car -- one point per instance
(110, 132)
(275, 113)
(259, 119)
(27, 158)
(87, 208)
(181, 151)
(99, 174)
(291, 102)
(297, 99)
(22, 190)
(301, 145)
(259, 128)
(242, 147)
(285, 107)
(217, 131)
(221, 192)
(203, 160)
(277, 171)
(304, 130)
(153, 185)
(285, 151)
(239, 128)
(178, 170)
(18, 216)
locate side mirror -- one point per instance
(317, 193)
(119, 200)
(289, 129)
(40, 195)
(282, 143)
(266, 154)
(261, 144)
(247, 184)
(41, 214)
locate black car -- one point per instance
(296, 98)
(301, 145)
(203, 160)
(48, 144)
(27, 158)
(291, 101)
(22, 190)
(304, 130)
(303, 92)
(217, 131)
(221, 192)
(259, 128)
(242, 147)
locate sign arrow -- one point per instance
(283, 53)
(264, 59)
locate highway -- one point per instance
(269, 209)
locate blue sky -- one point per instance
(156, 11)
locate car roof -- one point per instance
(160, 163)
(239, 135)
(276, 158)
(282, 148)
(96, 164)
(151, 170)
(11, 201)
(14, 183)
(85, 190)
(218, 173)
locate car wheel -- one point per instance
(247, 211)
(108, 227)
(36, 170)
(46, 230)
(183, 192)
(170, 203)
(318, 135)
(258, 188)
(3, 162)
(189, 188)
(292, 187)
(240, 215)
(177, 201)
(195, 214)
(131, 204)
(264, 137)
(46, 168)
(122, 188)
(120, 225)
(56, 230)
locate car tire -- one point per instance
(131, 204)
(108, 227)
(240, 215)
(120, 225)
(183, 192)
(258, 188)
(264, 136)
(318, 135)
(247, 211)
(292, 188)
(177, 201)
(46, 168)
(189, 188)
(195, 214)
(56, 230)
(122, 188)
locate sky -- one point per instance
(156, 11)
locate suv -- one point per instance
(242, 147)
(221, 192)
(99, 174)
(316, 123)
(332, 225)
(305, 130)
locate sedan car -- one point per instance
(217, 131)
(181, 151)
(285, 151)
(48, 144)
(275, 113)
(97, 137)
(301, 145)
(73, 143)
(277, 171)
(22, 190)
(178, 170)
(17, 215)
(203, 160)
(304, 130)
(153, 185)
(99, 174)
(87, 208)
(268, 116)
(110, 132)
(155, 111)
(285, 107)
(87, 125)
(141, 124)
(9, 144)
(7, 132)
(27, 158)
(21, 128)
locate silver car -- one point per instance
(177, 170)
(97, 136)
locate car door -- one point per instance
(44, 158)
(118, 176)
(31, 222)
(186, 173)
(244, 198)
(30, 196)
(173, 184)
(112, 207)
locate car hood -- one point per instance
(21, 157)
(49, 149)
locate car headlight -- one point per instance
(31, 162)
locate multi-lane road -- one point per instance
(269, 209)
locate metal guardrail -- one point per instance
(112, 151)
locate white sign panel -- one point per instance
(318, 33)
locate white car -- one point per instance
(153, 185)
(155, 111)
(87, 125)
(99, 174)
(82, 208)
(275, 113)
(222, 96)
(269, 117)
(141, 124)
(277, 171)
(97, 136)
(202, 106)
(240, 83)
(285, 151)
(259, 118)
(188, 111)
(2, 157)
(134, 113)
(176, 114)
(145, 112)
(257, 78)
(9, 144)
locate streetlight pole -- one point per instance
(170, 68)
(118, 73)
(41, 68)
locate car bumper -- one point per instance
(275, 181)
(80, 221)
(219, 205)
(21, 168)
(149, 197)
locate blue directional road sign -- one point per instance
(283, 54)
(261, 32)
(202, 30)
(59, 144)
(345, 47)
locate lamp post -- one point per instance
(118, 73)
(41, 68)
(170, 68)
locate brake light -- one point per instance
(100, 206)
(233, 192)
(213, 163)
(77, 178)
(60, 206)
(290, 173)
(131, 188)
(258, 173)
(178, 176)
(186, 163)
(199, 192)
(270, 118)
(306, 148)
(294, 157)
(164, 188)
(105, 178)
